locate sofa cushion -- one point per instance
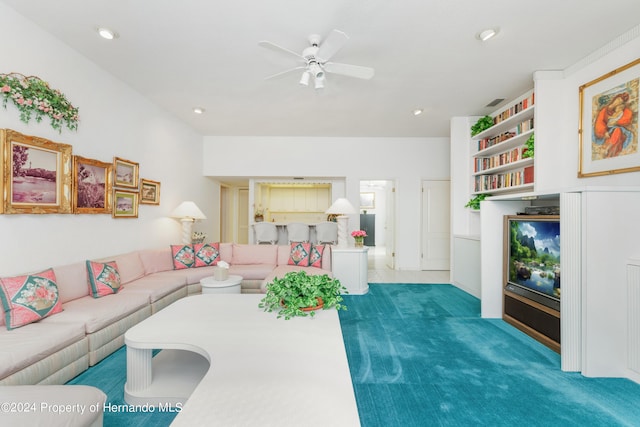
(130, 266)
(252, 271)
(29, 298)
(24, 346)
(97, 313)
(254, 254)
(72, 281)
(206, 254)
(104, 278)
(315, 257)
(158, 285)
(226, 252)
(299, 254)
(182, 256)
(156, 260)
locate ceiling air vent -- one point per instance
(495, 102)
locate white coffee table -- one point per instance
(229, 286)
(235, 365)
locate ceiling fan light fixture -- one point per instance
(304, 79)
(316, 70)
(319, 83)
(487, 34)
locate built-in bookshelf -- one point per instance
(499, 163)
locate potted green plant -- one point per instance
(300, 294)
(474, 203)
(530, 145)
(482, 124)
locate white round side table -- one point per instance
(230, 286)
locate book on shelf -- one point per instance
(510, 156)
(514, 109)
(520, 128)
(503, 180)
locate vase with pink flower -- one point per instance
(358, 237)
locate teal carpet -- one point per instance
(420, 355)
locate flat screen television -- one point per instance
(532, 257)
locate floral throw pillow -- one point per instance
(29, 298)
(299, 254)
(104, 278)
(206, 254)
(315, 257)
(183, 256)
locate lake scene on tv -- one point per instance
(534, 256)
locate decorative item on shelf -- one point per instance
(474, 203)
(258, 216)
(299, 294)
(482, 124)
(341, 208)
(188, 213)
(530, 145)
(358, 236)
(198, 237)
(33, 96)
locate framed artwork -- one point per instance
(92, 189)
(125, 204)
(36, 174)
(608, 132)
(125, 173)
(367, 200)
(149, 192)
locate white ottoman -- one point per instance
(229, 286)
(51, 405)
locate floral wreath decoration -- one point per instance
(33, 96)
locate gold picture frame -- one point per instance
(149, 192)
(36, 174)
(125, 173)
(92, 186)
(125, 204)
(608, 129)
(367, 200)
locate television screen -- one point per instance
(533, 248)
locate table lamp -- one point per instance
(342, 208)
(188, 213)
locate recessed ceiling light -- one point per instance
(487, 34)
(106, 33)
(198, 110)
(418, 111)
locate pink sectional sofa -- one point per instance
(59, 347)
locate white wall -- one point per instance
(408, 161)
(114, 121)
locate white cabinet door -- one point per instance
(435, 225)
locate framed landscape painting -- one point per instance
(36, 174)
(125, 204)
(149, 192)
(125, 173)
(608, 132)
(92, 186)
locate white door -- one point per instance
(390, 221)
(436, 232)
(243, 216)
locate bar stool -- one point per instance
(297, 232)
(266, 232)
(327, 233)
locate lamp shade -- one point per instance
(188, 210)
(341, 207)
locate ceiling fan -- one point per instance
(315, 59)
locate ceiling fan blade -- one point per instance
(356, 71)
(277, 48)
(281, 73)
(331, 45)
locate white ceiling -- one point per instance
(187, 53)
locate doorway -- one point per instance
(436, 221)
(377, 216)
